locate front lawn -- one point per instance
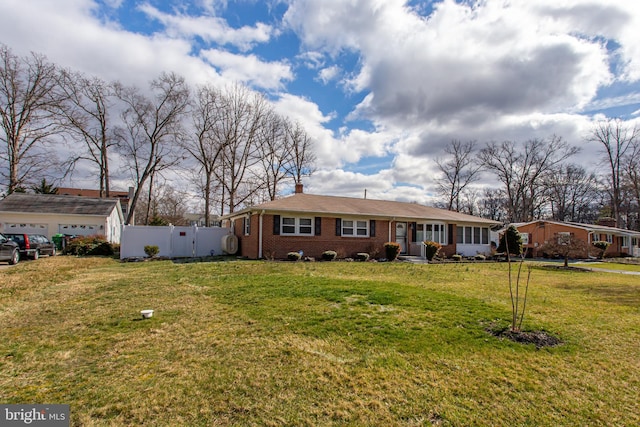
(325, 343)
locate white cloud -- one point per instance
(69, 34)
(328, 74)
(210, 28)
(249, 69)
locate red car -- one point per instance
(33, 245)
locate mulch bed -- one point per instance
(539, 338)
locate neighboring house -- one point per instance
(314, 224)
(197, 219)
(124, 196)
(51, 214)
(537, 233)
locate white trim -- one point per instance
(355, 227)
(297, 226)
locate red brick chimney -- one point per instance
(607, 222)
(298, 188)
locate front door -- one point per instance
(401, 236)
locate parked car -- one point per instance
(33, 245)
(9, 250)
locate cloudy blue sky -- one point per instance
(382, 86)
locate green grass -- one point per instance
(609, 266)
(259, 343)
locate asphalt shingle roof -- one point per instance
(332, 205)
(55, 204)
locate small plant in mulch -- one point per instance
(151, 250)
(432, 249)
(329, 255)
(362, 256)
(294, 256)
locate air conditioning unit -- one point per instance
(229, 244)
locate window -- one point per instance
(296, 226)
(436, 233)
(524, 237)
(609, 238)
(485, 236)
(472, 235)
(355, 228)
(625, 241)
(634, 241)
(247, 225)
(564, 238)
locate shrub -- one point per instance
(392, 250)
(151, 250)
(329, 255)
(362, 256)
(602, 245)
(431, 249)
(89, 245)
(456, 257)
(294, 256)
(511, 241)
(480, 257)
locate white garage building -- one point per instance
(50, 214)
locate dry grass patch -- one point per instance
(258, 343)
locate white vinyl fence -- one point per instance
(173, 242)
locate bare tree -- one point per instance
(286, 153)
(86, 112)
(275, 153)
(493, 205)
(565, 246)
(27, 104)
(303, 156)
(632, 179)
(242, 114)
(522, 172)
(166, 205)
(204, 145)
(151, 125)
(571, 192)
(616, 140)
(459, 171)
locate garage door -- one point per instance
(79, 230)
(27, 228)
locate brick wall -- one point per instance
(277, 246)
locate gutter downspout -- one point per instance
(260, 235)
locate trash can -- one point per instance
(58, 240)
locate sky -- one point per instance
(381, 86)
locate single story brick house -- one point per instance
(50, 214)
(314, 224)
(537, 233)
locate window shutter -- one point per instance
(414, 231)
(372, 228)
(276, 225)
(338, 227)
(318, 226)
(450, 234)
